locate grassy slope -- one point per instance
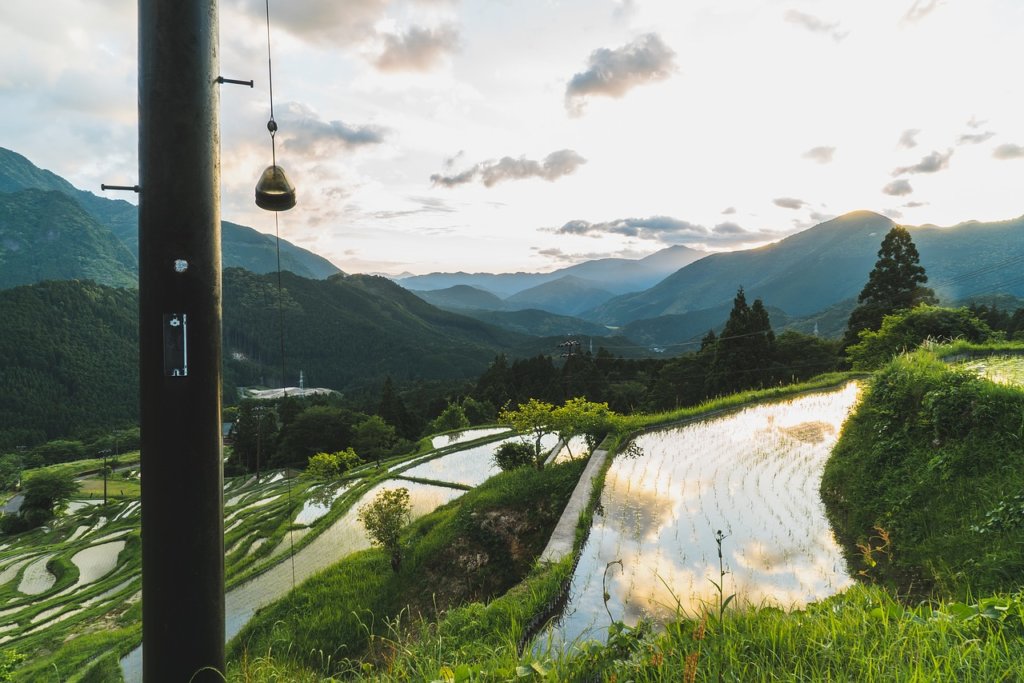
(935, 458)
(472, 549)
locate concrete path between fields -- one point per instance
(564, 534)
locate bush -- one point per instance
(906, 330)
(513, 454)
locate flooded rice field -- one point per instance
(452, 438)
(469, 466)
(1000, 369)
(754, 475)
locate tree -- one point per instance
(742, 354)
(392, 408)
(894, 284)
(384, 519)
(533, 419)
(10, 471)
(318, 429)
(45, 492)
(374, 437)
(451, 418)
(48, 491)
(255, 434)
(331, 465)
(580, 417)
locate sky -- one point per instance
(528, 135)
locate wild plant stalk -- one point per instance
(722, 604)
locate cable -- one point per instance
(272, 127)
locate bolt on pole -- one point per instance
(180, 342)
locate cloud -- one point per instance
(789, 203)
(553, 166)
(418, 49)
(975, 138)
(322, 21)
(895, 214)
(932, 163)
(920, 9)
(729, 211)
(652, 228)
(898, 188)
(666, 229)
(613, 73)
(907, 138)
(303, 131)
(819, 217)
(914, 205)
(1008, 150)
(822, 155)
(815, 25)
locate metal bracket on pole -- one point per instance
(233, 81)
(126, 188)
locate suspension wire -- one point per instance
(272, 127)
(271, 124)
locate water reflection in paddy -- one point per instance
(753, 474)
(470, 466)
(444, 440)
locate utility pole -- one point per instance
(180, 342)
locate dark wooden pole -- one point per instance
(180, 342)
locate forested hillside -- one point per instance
(46, 235)
(349, 330)
(68, 360)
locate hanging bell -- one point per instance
(273, 191)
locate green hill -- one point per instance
(46, 235)
(241, 246)
(69, 352)
(68, 360)
(350, 330)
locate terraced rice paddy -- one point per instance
(1001, 369)
(754, 475)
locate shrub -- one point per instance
(513, 454)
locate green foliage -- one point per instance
(512, 454)
(741, 355)
(384, 519)
(894, 284)
(47, 490)
(10, 659)
(580, 417)
(70, 361)
(317, 429)
(932, 456)
(374, 437)
(10, 470)
(533, 419)
(906, 330)
(452, 418)
(323, 466)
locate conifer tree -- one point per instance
(893, 285)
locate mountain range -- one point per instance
(50, 229)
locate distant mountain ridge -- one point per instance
(241, 246)
(617, 275)
(816, 269)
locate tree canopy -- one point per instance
(384, 518)
(894, 284)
